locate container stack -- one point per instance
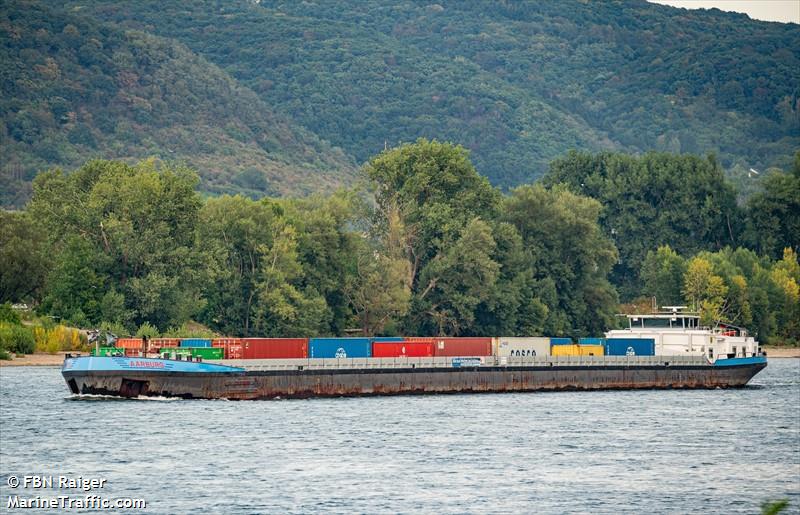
(505, 347)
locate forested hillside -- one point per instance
(73, 88)
(518, 83)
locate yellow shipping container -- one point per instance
(577, 350)
(565, 350)
(591, 350)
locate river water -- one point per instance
(710, 451)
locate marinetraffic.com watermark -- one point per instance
(74, 493)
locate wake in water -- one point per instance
(92, 397)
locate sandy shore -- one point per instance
(36, 360)
(782, 352)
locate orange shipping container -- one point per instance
(129, 343)
(462, 346)
(154, 344)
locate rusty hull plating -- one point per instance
(302, 382)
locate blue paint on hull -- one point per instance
(155, 365)
(732, 362)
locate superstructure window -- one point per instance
(656, 322)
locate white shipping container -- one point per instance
(514, 346)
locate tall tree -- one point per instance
(773, 215)
(661, 274)
(568, 250)
(137, 224)
(441, 205)
(657, 199)
(24, 259)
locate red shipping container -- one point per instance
(129, 343)
(132, 352)
(233, 351)
(222, 342)
(274, 348)
(402, 349)
(419, 339)
(462, 346)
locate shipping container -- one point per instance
(273, 348)
(421, 339)
(591, 341)
(129, 343)
(565, 350)
(388, 339)
(462, 346)
(508, 346)
(339, 348)
(234, 351)
(164, 342)
(208, 352)
(591, 350)
(222, 342)
(577, 350)
(195, 342)
(560, 341)
(383, 349)
(107, 351)
(178, 351)
(630, 347)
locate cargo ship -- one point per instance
(661, 350)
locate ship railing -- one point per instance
(466, 363)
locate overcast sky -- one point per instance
(769, 10)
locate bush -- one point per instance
(16, 338)
(25, 343)
(4, 354)
(59, 338)
(148, 330)
(189, 331)
(7, 314)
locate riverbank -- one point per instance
(781, 352)
(38, 359)
(53, 360)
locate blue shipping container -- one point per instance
(630, 347)
(195, 342)
(591, 341)
(560, 341)
(339, 348)
(388, 339)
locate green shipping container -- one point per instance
(208, 352)
(175, 350)
(107, 351)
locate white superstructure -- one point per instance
(679, 333)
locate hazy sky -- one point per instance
(768, 10)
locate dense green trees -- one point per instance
(123, 237)
(23, 257)
(732, 286)
(427, 247)
(774, 214)
(656, 199)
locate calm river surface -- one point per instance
(710, 451)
